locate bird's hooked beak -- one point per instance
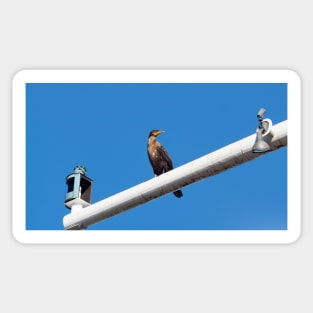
(158, 132)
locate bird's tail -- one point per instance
(178, 193)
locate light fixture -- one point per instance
(79, 188)
(263, 130)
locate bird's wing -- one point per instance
(165, 158)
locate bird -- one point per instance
(159, 158)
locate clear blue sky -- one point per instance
(105, 128)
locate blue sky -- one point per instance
(105, 127)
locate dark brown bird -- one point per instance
(159, 158)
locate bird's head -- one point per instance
(156, 132)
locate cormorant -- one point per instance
(159, 158)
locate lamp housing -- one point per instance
(79, 188)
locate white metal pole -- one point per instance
(209, 165)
